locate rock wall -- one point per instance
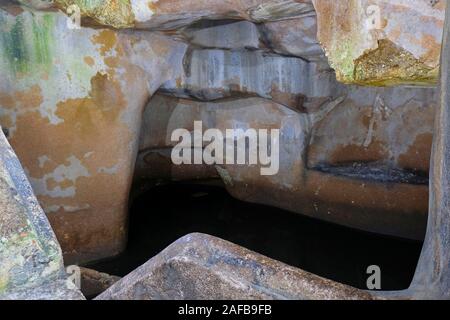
(31, 263)
(72, 101)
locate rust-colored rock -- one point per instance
(63, 102)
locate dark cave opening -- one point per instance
(166, 213)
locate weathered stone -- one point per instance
(31, 263)
(432, 278)
(390, 127)
(224, 35)
(318, 177)
(215, 74)
(93, 282)
(55, 290)
(382, 42)
(201, 267)
(65, 94)
(296, 37)
(173, 14)
(366, 41)
(293, 37)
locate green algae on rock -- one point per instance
(114, 13)
(26, 51)
(391, 65)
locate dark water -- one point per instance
(165, 214)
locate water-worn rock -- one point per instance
(173, 14)
(432, 277)
(367, 42)
(65, 94)
(224, 34)
(201, 267)
(388, 126)
(212, 74)
(295, 37)
(382, 42)
(94, 283)
(31, 263)
(363, 178)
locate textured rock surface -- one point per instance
(296, 37)
(65, 94)
(224, 34)
(90, 86)
(212, 74)
(384, 126)
(94, 283)
(363, 178)
(172, 14)
(31, 263)
(382, 42)
(367, 42)
(201, 267)
(432, 278)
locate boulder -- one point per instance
(202, 267)
(31, 263)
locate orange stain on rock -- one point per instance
(376, 151)
(6, 100)
(92, 132)
(107, 39)
(89, 61)
(31, 98)
(419, 154)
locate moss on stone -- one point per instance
(392, 65)
(114, 13)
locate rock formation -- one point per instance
(382, 42)
(31, 263)
(89, 109)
